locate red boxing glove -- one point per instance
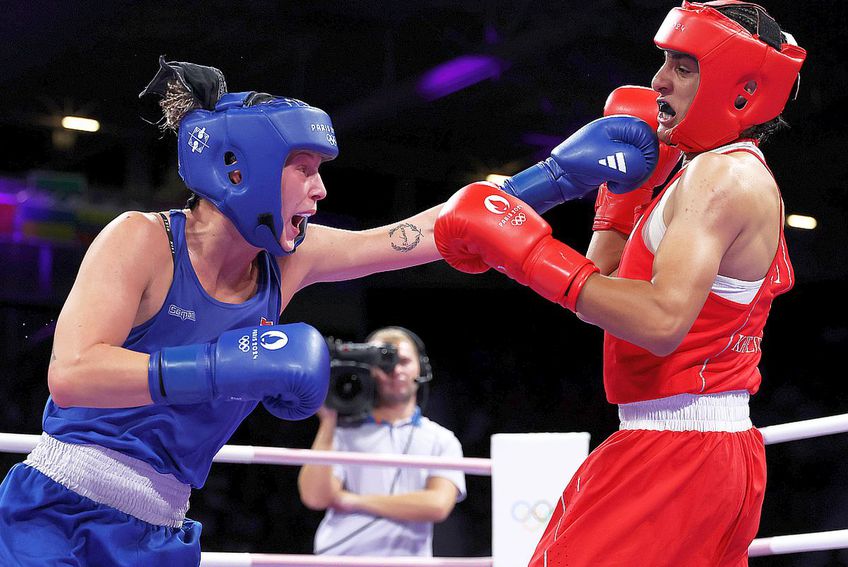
(482, 226)
(619, 212)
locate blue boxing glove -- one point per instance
(285, 366)
(620, 151)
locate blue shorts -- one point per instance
(44, 523)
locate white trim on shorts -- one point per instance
(727, 411)
(113, 479)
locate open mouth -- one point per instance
(666, 112)
(299, 221)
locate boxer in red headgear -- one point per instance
(683, 297)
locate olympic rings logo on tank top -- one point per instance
(532, 516)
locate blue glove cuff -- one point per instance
(538, 186)
(155, 381)
(181, 375)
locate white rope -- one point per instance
(778, 545)
(805, 429)
(283, 456)
(21, 443)
(820, 541)
(267, 560)
(17, 442)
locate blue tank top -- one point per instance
(182, 439)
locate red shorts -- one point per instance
(660, 498)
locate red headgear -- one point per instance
(743, 80)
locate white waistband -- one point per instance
(727, 411)
(114, 479)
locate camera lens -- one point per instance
(348, 387)
(352, 389)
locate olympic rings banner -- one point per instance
(529, 473)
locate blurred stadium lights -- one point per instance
(801, 221)
(457, 74)
(80, 123)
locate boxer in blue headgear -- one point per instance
(251, 133)
(233, 153)
(164, 346)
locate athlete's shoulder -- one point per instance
(134, 224)
(132, 237)
(725, 180)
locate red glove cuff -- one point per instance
(557, 272)
(577, 283)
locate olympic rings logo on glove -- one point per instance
(519, 219)
(532, 516)
(244, 343)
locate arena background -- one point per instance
(505, 360)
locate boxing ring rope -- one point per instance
(250, 455)
(805, 429)
(215, 559)
(820, 541)
(247, 454)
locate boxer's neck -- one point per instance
(220, 256)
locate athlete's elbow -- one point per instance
(662, 347)
(665, 337)
(60, 383)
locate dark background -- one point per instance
(505, 360)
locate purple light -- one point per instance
(457, 74)
(9, 185)
(546, 142)
(10, 197)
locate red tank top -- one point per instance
(720, 352)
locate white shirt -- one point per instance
(338, 533)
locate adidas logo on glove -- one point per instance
(615, 162)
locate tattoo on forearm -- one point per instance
(404, 237)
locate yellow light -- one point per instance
(497, 179)
(79, 123)
(801, 221)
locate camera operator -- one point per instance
(382, 511)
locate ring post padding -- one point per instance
(529, 473)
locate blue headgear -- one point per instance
(252, 133)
